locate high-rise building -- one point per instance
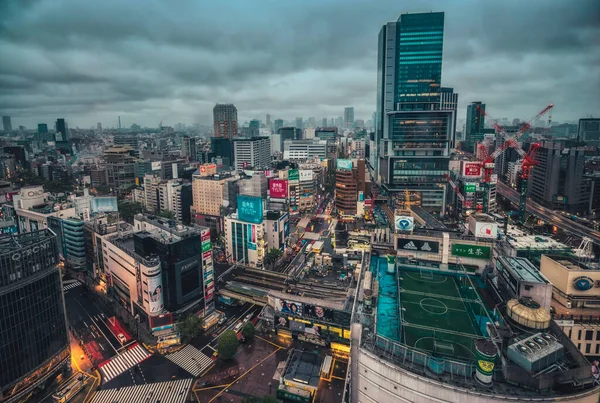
(324, 122)
(120, 165)
(449, 101)
(339, 122)
(312, 122)
(252, 152)
(208, 196)
(349, 183)
(6, 124)
(254, 128)
(189, 148)
(62, 132)
(34, 342)
(98, 126)
(301, 150)
(474, 126)
(222, 148)
(268, 123)
(349, 117)
(557, 181)
(411, 144)
(225, 121)
(299, 123)
(277, 124)
(589, 131)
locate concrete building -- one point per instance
(225, 121)
(257, 185)
(188, 149)
(474, 126)
(589, 132)
(32, 209)
(277, 124)
(6, 124)
(119, 165)
(151, 184)
(208, 199)
(276, 229)
(70, 240)
(252, 152)
(245, 241)
(176, 197)
(299, 123)
(575, 300)
(301, 150)
(327, 133)
(349, 184)
(557, 181)
(128, 140)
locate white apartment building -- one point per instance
(252, 152)
(300, 150)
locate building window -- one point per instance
(589, 335)
(570, 331)
(579, 346)
(528, 287)
(588, 347)
(597, 334)
(597, 349)
(579, 335)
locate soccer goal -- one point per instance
(426, 274)
(443, 347)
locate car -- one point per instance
(222, 320)
(238, 327)
(248, 317)
(122, 338)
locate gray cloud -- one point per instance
(153, 60)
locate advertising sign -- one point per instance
(205, 246)
(470, 187)
(306, 175)
(293, 175)
(287, 306)
(418, 245)
(278, 188)
(493, 179)
(344, 164)
(404, 223)
(104, 204)
(206, 255)
(296, 326)
(138, 283)
(281, 322)
(471, 169)
(205, 234)
(483, 229)
(474, 251)
(208, 169)
(361, 196)
(250, 209)
(155, 293)
(205, 237)
(155, 165)
(318, 313)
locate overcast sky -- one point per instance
(92, 60)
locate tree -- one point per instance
(168, 214)
(190, 328)
(248, 331)
(129, 209)
(227, 344)
(272, 256)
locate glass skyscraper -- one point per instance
(415, 122)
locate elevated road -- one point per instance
(549, 215)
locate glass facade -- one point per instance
(420, 39)
(33, 327)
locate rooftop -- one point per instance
(482, 217)
(303, 367)
(523, 269)
(570, 263)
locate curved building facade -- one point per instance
(34, 343)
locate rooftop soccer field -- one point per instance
(440, 313)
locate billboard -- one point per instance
(155, 165)
(471, 187)
(306, 175)
(296, 326)
(206, 246)
(361, 196)
(278, 188)
(344, 164)
(155, 293)
(418, 245)
(318, 313)
(493, 179)
(287, 306)
(250, 209)
(104, 204)
(293, 175)
(474, 251)
(404, 223)
(471, 169)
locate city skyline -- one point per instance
(177, 71)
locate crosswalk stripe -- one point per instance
(67, 287)
(165, 392)
(191, 359)
(122, 362)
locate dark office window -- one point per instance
(597, 349)
(589, 335)
(588, 348)
(597, 334)
(579, 335)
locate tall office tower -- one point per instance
(331, 122)
(7, 125)
(449, 101)
(61, 127)
(411, 143)
(98, 126)
(474, 127)
(277, 124)
(34, 345)
(312, 122)
(252, 152)
(324, 122)
(225, 120)
(339, 122)
(268, 122)
(42, 128)
(349, 117)
(374, 119)
(189, 148)
(299, 123)
(254, 128)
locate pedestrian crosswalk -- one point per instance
(191, 359)
(67, 287)
(122, 362)
(163, 392)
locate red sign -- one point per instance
(205, 237)
(206, 255)
(278, 188)
(472, 169)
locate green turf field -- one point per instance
(433, 309)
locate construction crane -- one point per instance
(455, 188)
